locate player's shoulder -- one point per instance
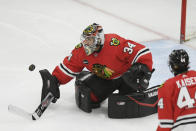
(173, 80)
(78, 46)
(167, 84)
(192, 72)
(164, 89)
(113, 35)
(114, 39)
(78, 49)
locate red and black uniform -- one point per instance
(117, 55)
(177, 103)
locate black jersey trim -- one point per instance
(72, 74)
(141, 53)
(166, 123)
(184, 123)
(185, 120)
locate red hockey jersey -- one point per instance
(177, 103)
(117, 55)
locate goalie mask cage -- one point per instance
(188, 20)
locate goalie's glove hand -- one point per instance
(50, 84)
(138, 76)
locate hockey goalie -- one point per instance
(113, 63)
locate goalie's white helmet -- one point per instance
(92, 38)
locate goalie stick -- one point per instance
(37, 113)
(47, 100)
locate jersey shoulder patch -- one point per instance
(114, 42)
(78, 46)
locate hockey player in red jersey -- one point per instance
(177, 96)
(113, 63)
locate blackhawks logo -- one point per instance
(89, 30)
(115, 42)
(78, 45)
(102, 71)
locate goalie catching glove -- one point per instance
(50, 84)
(138, 76)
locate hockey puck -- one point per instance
(32, 67)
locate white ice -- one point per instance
(43, 32)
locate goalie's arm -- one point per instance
(70, 67)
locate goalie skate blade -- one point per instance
(20, 112)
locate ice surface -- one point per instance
(43, 32)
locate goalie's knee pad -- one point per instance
(131, 106)
(82, 97)
(83, 94)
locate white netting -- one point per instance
(190, 19)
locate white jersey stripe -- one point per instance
(165, 126)
(184, 120)
(140, 53)
(67, 71)
(186, 116)
(166, 120)
(166, 123)
(76, 73)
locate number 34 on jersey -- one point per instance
(129, 49)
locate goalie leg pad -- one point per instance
(134, 105)
(85, 98)
(82, 97)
